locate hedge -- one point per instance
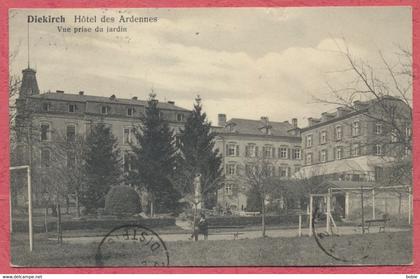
(122, 200)
(22, 226)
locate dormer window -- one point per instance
(46, 106)
(180, 117)
(72, 108)
(105, 109)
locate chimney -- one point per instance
(221, 117)
(357, 105)
(325, 116)
(81, 92)
(112, 97)
(171, 102)
(59, 91)
(134, 98)
(264, 120)
(29, 84)
(341, 111)
(294, 122)
(312, 121)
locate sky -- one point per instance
(244, 62)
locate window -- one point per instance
(270, 170)
(355, 150)
(378, 149)
(296, 153)
(378, 128)
(180, 117)
(71, 159)
(228, 188)
(309, 141)
(309, 158)
(324, 137)
(297, 168)
(46, 106)
(379, 172)
(394, 137)
(283, 152)
(324, 156)
(250, 169)
(45, 132)
(339, 153)
(408, 132)
(356, 128)
(268, 152)
(127, 161)
(130, 111)
(283, 171)
(251, 150)
(72, 108)
(232, 149)
(338, 132)
(71, 133)
(45, 158)
(105, 109)
(127, 136)
(230, 169)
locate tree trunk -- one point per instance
(263, 217)
(195, 233)
(77, 204)
(152, 210)
(67, 205)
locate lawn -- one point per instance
(369, 249)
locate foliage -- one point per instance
(102, 166)
(154, 159)
(198, 156)
(122, 200)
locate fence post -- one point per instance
(310, 215)
(300, 225)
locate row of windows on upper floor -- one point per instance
(355, 131)
(233, 168)
(339, 154)
(127, 133)
(106, 110)
(268, 151)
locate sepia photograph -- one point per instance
(209, 137)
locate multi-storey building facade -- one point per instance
(243, 142)
(365, 145)
(51, 117)
(356, 144)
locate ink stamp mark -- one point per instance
(350, 251)
(133, 244)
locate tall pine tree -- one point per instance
(103, 166)
(154, 160)
(199, 155)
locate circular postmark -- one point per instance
(132, 245)
(351, 249)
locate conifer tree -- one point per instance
(154, 159)
(198, 155)
(103, 166)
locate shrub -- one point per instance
(122, 200)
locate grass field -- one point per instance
(369, 249)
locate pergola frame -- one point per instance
(334, 190)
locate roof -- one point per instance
(99, 99)
(344, 184)
(256, 127)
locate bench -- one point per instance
(235, 229)
(381, 223)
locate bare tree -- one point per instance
(257, 175)
(383, 95)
